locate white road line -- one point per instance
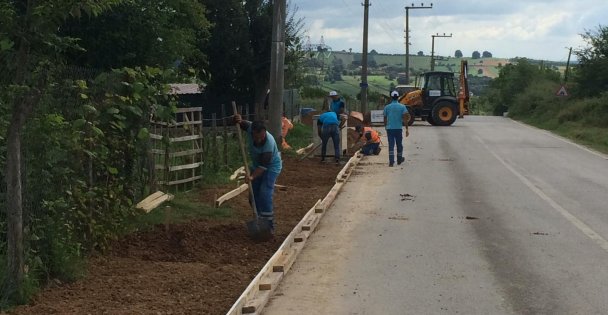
(598, 239)
(566, 140)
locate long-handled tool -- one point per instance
(258, 229)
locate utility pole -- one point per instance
(363, 83)
(567, 67)
(277, 65)
(433, 49)
(407, 37)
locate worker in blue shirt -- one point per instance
(265, 167)
(328, 126)
(395, 114)
(337, 105)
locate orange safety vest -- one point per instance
(374, 134)
(286, 125)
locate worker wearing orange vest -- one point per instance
(372, 140)
(286, 125)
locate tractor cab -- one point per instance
(439, 105)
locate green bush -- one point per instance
(590, 111)
(537, 100)
(312, 92)
(300, 136)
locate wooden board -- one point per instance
(231, 194)
(154, 200)
(237, 173)
(304, 149)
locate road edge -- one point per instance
(258, 292)
(563, 139)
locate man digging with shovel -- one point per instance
(266, 167)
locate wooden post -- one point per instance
(225, 135)
(216, 151)
(167, 213)
(167, 176)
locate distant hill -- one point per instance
(488, 67)
(385, 69)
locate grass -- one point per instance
(593, 137)
(185, 207)
(298, 137)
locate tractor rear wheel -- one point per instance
(412, 116)
(444, 113)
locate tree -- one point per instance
(458, 54)
(476, 55)
(30, 46)
(337, 66)
(592, 70)
(294, 56)
(233, 56)
(486, 54)
(373, 52)
(420, 53)
(514, 79)
(141, 32)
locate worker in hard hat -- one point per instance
(337, 105)
(395, 114)
(370, 139)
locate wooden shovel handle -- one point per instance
(244, 154)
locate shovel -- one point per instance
(258, 229)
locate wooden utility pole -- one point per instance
(567, 67)
(277, 65)
(363, 83)
(407, 37)
(433, 49)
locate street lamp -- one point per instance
(407, 36)
(433, 48)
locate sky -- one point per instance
(536, 29)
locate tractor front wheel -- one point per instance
(444, 114)
(412, 116)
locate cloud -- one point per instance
(507, 28)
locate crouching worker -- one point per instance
(265, 167)
(371, 140)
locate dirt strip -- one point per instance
(200, 267)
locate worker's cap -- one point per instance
(333, 93)
(394, 94)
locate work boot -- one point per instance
(400, 160)
(391, 164)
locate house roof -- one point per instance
(186, 88)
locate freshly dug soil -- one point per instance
(199, 267)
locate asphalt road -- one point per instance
(487, 216)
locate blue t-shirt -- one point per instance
(329, 118)
(394, 112)
(336, 105)
(270, 145)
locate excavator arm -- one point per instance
(463, 93)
